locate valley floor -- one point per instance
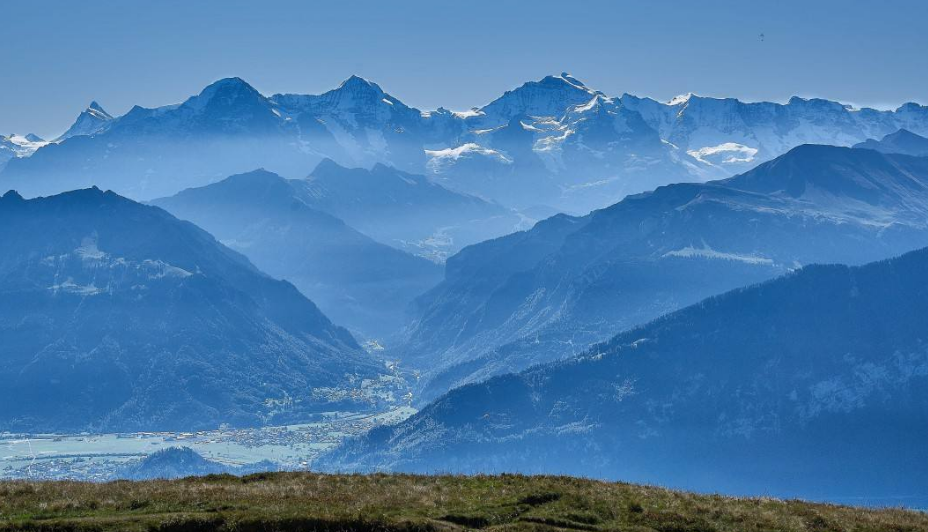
(307, 501)
(97, 457)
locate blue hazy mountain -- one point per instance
(813, 385)
(118, 316)
(407, 211)
(902, 141)
(550, 292)
(359, 283)
(553, 142)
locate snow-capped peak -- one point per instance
(17, 146)
(564, 78)
(92, 120)
(470, 113)
(681, 99)
(358, 100)
(551, 97)
(97, 111)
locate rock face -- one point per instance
(117, 316)
(772, 389)
(360, 283)
(548, 143)
(550, 292)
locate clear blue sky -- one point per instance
(59, 55)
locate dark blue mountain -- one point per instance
(550, 292)
(118, 316)
(902, 141)
(812, 385)
(180, 462)
(358, 282)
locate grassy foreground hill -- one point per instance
(306, 501)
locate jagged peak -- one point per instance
(549, 96)
(357, 83)
(96, 110)
(91, 120)
(681, 99)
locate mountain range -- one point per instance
(811, 385)
(552, 291)
(117, 316)
(553, 143)
(563, 281)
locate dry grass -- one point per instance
(305, 501)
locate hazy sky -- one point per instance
(59, 55)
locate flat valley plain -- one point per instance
(308, 501)
(97, 457)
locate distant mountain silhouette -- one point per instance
(408, 211)
(358, 282)
(902, 141)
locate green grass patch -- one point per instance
(291, 502)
